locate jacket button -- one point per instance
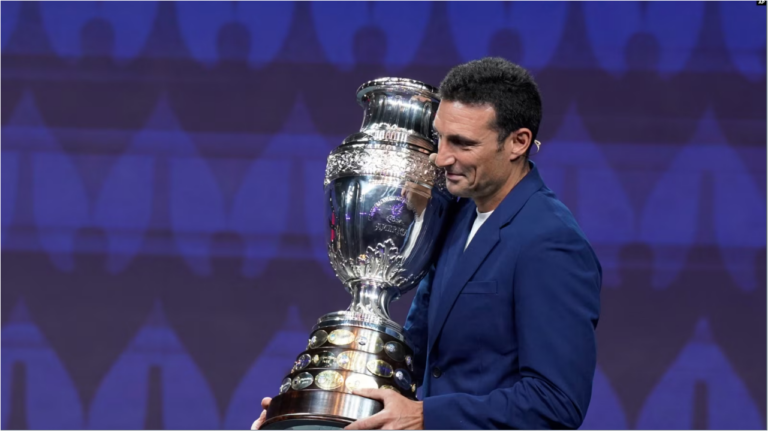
(436, 372)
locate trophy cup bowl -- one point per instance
(385, 208)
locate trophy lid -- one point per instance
(404, 84)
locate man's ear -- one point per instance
(518, 143)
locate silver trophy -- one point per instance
(385, 208)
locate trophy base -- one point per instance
(342, 356)
(330, 410)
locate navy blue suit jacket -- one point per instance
(504, 332)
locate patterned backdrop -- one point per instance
(162, 170)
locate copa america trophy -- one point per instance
(385, 207)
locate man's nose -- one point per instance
(443, 157)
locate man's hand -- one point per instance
(399, 413)
(260, 421)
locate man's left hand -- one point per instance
(399, 413)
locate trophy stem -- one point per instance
(370, 297)
(369, 309)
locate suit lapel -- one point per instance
(461, 265)
(452, 250)
(461, 235)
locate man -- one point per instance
(504, 325)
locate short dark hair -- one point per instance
(507, 87)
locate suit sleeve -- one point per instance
(416, 324)
(556, 295)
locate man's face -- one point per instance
(468, 149)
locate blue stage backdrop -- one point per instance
(163, 245)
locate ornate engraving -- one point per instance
(383, 160)
(382, 263)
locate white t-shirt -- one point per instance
(479, 220)
(417, 223)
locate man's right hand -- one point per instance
(260, 421)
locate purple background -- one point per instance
(162, 167)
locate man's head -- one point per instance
(488, 119)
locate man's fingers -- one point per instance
(371, 423)
(432, 158)
(379, 419)
(260, 421)
(376, 394)
(265, 403)
(257, 423)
